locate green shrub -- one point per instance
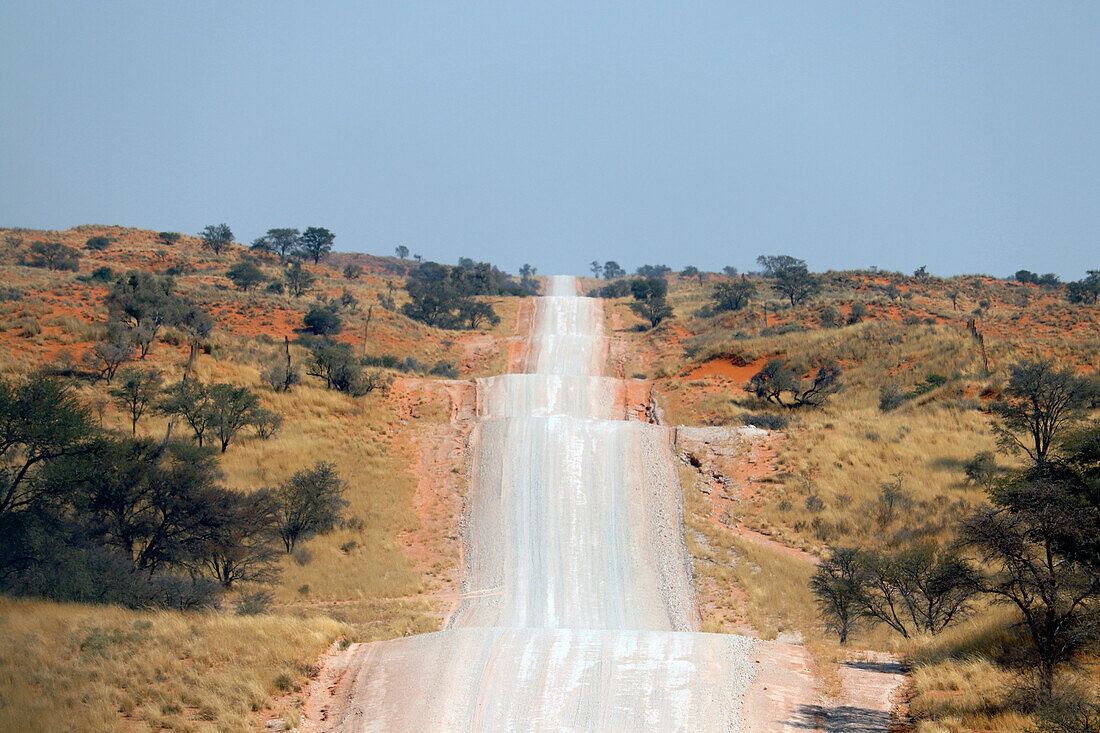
(254, 604)
(323, 321)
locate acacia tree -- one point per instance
(230, 409)
(921, 587)
(918, 588)
(402, 251)
(281, 242)
(197, 325)
(155, 503)
(242, 543)
(1037, 543)
(145, 303)
(309, 503)
(245, 275)
(108, 355)
(135, 392)
(54, 256)
(334, 362)
(298, 279)
(1086, 290)
(791, 277)
(838, 586)
(316, 242)
(216, 237)
(777, 383)
(190, 401)
(1038, 537)
(649, 300)
(40, 421)
(732, 295)
(612, 270)
(1041, 400)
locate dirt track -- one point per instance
(577, 609)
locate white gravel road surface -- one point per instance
(577, 609)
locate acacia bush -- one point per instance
(614, 289)
(91, 516)
(649, 300)
(732, 295)
(54, 256)
(323, 320)
(777, 383)
(765, 420)
(919, 588)
(443, 296)
(309, 503)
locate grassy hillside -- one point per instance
(756, 525)
(73, 667)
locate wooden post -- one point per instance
(370, 314)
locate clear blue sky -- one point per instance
(960, 135)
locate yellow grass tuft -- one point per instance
(67, 667)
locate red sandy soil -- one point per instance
(732, 368)
(437, 454)
(737, 483)
(519, 347)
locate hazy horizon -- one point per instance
(959, 137)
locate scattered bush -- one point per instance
(444, 369)
(614, 289)
(443, 296)
(54, 256)
(856, 313)
(776, 382)
(649, 300)
(102, 274)
(765, 420)
(829, 317)
(732, 295)
(266, 423)
(255, 603)
(280, 374)
(245, 275)
(309, 503)
(323, 321)
(890, 398)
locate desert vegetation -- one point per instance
(208, 462)
(905, 504)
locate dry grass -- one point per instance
(957, 683)
(830, 467)
(774, 597)
(66, 667)
(356, 581)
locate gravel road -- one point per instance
(577, 609)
